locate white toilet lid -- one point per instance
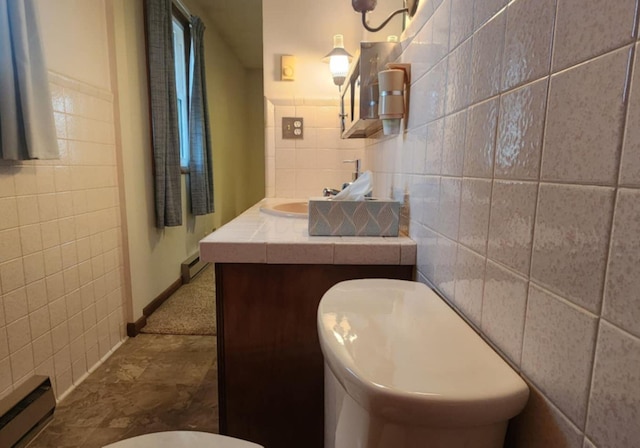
(180, 439)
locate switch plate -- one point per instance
(292, 128)
(288, 68)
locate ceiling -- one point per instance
(239, 23)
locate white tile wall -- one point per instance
(302, 168)
(519, 216)
(59, 241)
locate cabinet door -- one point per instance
(270, 376)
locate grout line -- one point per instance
(616, 199)
(537, 199)
(636, 19)
(591, 375)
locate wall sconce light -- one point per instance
(364, 6)
(394, 97)
(338, 60)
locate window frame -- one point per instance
(183, 115)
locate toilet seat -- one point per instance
(182, 439)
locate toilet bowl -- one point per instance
(403, 370)
(182, 439)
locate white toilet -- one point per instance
(403, 370)
(182, 439)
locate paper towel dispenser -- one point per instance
(360, 96)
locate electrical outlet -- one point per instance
(292, 128)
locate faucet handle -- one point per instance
(329, 192)
(358, 163)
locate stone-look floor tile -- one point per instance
(193, 373)
(60, 436)
(557, 353)
(542, 425)
(105, 436)
(128, 371)
(614, 406)
(152, 383)
(588, 444)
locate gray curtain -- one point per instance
(164, 113)
(27, 128)
(200, 166)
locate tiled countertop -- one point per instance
(257, 237)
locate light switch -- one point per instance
(288, 68)
(292, 128)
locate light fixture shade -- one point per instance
(364, 5)
(338, 60)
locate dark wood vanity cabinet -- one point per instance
(270, 367)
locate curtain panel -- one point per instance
(200, 163)
(164, 113)
(27, 127)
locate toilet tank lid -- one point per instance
(180, 439)
(396, 345)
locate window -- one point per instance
(178, 111)
(180, 51)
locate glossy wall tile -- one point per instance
(513, 207)
(623, 272)
(527, 48)
(615, 394)
(520, 128)
(503, 309)
(584, 125)
(630, 163)
(526, 212)
(558, 342)
(588, 28)
(572, 230)
(303, 168)
(61, 293)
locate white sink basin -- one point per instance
(287, 209)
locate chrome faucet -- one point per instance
(332, 192)
(329, 192)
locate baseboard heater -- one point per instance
(25, 411)
(191, 267)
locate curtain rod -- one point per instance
(182, 8)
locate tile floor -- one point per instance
(151, 383)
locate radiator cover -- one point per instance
(26, 410)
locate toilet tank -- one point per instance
(398, 357)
